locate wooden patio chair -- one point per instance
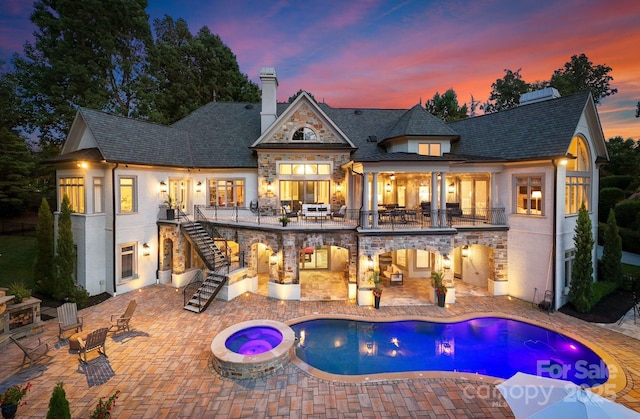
(68, 319)
(121, 321)
(95, 342)
(31, 352)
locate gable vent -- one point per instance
(372, 139)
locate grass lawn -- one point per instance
(17, 255)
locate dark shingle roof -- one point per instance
(538, 130)
(127, 140)
(220, 134)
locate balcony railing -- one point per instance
(354, 219)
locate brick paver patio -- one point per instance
(162, 367)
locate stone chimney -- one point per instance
(269, 100)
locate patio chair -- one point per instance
(32, 352)
(340, 213)
(121, 321)
(68, 319)
(287, 212)
(95, 342)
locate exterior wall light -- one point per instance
(388, 189)
(146, 250)
(370, 263)
(199, 187)
(465, 251)
(82, 164)
(273, 259)
(446, 262)
(451, 188)
(338, 188)
(163, 187)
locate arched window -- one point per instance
(304, 134)
(578, 181)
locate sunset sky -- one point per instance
(394, 54)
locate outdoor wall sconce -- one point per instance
(446, 262)
(163, 187)
(269, 189)
(338, 188)
(451, 188)
(370, 263)
(465, 251)
(82, 164)
(388, 188)
(273, 259)
(199, 187)
(392, 177)
(146, 250)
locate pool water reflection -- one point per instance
(490, 346)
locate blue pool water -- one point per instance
(489, 345)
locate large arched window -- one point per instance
(578, 181)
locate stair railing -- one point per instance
(191, 288)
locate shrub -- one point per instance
(20, 291)
(630, 240)
(616, 181)
(628, 214)
(612, 251)
(58, 404)
(608, 199)
(582, 272)
(80, 296)
(601, 289)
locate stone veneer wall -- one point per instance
(267, 160)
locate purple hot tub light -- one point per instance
(254, 340)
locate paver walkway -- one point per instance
(162, 367)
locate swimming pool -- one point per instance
(491, 346)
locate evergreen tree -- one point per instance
(58, 404)
(43, 268)
(582, 270)
(446, 106)
(65, 253)
(612, 251)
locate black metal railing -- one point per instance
(192, 287)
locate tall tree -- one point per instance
(446, 106)
(506, 92)
(190, 71)
(579, 74)
(43, 268)
(65, 253)
(298, 93)
(624, 157)
(612, 251)
(89, 53)
(16, 159)
(582, 269)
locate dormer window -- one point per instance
(429, 149)
(304, 134)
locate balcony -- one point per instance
(398, 219)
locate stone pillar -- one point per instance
(443, 199)
(365, 199)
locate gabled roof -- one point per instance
(418, 122)
(132, 141)
(535, 131)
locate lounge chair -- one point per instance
(95, 342)
(32, 352)
(68, 319)
(340, 213)
(287, 212)
(121, 321)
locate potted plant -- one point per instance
(171, 212)
(377, 291)
(284, 220)
(10, 399)
(438, 286)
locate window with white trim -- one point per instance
(73, 187)
(226, 192)
(128, 262)
(528, 194)
(304, 134)
(127, 194)
(98, 195)
(304, 183)
(429, 149)
(578, 180)
(569, 257)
